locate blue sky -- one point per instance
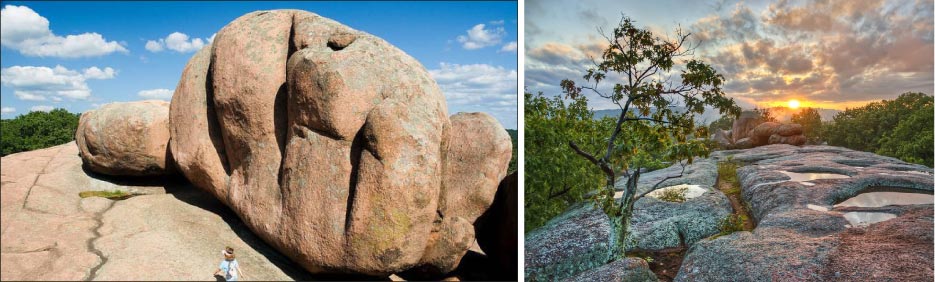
(92, 53)
(826, 54)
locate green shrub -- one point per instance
(731, 224)
(675, 195)
(727, 172)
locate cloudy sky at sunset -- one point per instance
(828, 54)
(79, 55)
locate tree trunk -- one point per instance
(620, 222)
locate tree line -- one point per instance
(37, 130)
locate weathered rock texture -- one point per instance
(50, 233)
(580, 239)
(334, 146)
(625, 270)
(801, 236)
(126, 138)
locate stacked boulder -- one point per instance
(750, 131)
(334, 146)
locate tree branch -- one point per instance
(655, 187)
(600, 163)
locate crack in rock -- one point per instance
(97, 235)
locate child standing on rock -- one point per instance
(229, 266)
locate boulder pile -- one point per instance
(331, 144)
(750, 131)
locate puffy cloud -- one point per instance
(154, 46)
(41, 108)
(96, 73)
(479, 37)
(7, 110)
(163, 94)
(33, 83)
(178, 42)
(26, 31)
(509, 47)
(479, 88)
(830, 52)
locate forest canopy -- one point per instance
(37, 130)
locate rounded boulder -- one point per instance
(129, 138)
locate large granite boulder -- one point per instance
(332, 145)
(769, 133)
(744, 124)
(802, 234)
(199, 150)
(129, 138)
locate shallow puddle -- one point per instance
(876, 197)
(816, 207)
(857, 219)
(808, 176)
(691, 191)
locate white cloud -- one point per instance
(96, 73)
(509, 47)
(163, 94)
(41, 108)
(498, 22)
(178, 42)
(479, 37)
(7, 110)
(479, 88)
(32, 83)
(154, 46)
(26, 31)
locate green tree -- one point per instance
(37, 130)
(554, 176)
(765, 115)
(641, 61)
(811, 124)
(912, 138)
(895, 128)
(513, 136)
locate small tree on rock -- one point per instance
(657, 117)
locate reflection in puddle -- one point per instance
(796, 176)
(880, 197)
(691, 191)
(867, 218)
(816, 207)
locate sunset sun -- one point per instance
(793, 104)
